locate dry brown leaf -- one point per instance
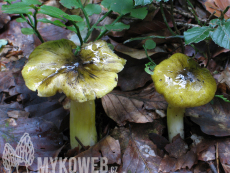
(213, 118)
(135, 106)
(218, 6)
(179, 157)
(224, 151)
(107, 147)
(208, 154)
(225, 76)
(177, 148)
(140, 156)
(224, 154)
(134, 53)
(6, 81)
(133, 76)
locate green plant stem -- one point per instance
(209, 54)
(194, 13)
(85, 14)
(104, 32)
(226, 9)
(30, 19)
(32, 24)
(148, 55)
(197, 50)
(153, 36)
(174, 25)
(35, 26)
(165, 20)
(82, 123)
(78, 32)
(92, 28)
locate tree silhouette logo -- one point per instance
(24, 153)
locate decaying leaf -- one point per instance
(224, 153)
(218, 6)
(140, 156)
(133, 76)
(135, 106)
(225, 76)
(134, 53)
(213, 118)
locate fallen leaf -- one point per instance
(108, 147)
(159, 140)
(133, 76)
(6, 81)
(208, 154)
(224, 151)
(212, 118)
(4, 18)
(140, 156)
(225, 76)
(135, 106)
(177, 148)
(218, 6)
(51, 111)
(224, 154)
(134, 53)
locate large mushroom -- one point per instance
(183, 83)
(52, 67)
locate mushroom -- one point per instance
(52, 67)
(183, 83)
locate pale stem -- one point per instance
(82, 123)
(175, 121)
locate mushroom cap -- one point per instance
(183, 83)
(52, 67)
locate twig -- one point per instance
(212, 166)
(184, 13)
(217, 158)
(188, 25)
(209, 18)
(197, 50)
(208, 52)
(194, 12)
(153, 36)
(175, 26)
(80, 143)
(165, 20)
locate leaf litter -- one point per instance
(138, 141)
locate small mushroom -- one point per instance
(183, 83)
(52, 67)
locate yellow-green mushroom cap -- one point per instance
(183, 83)
(52, 67)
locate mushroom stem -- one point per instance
(82, 123)
(175, 121)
